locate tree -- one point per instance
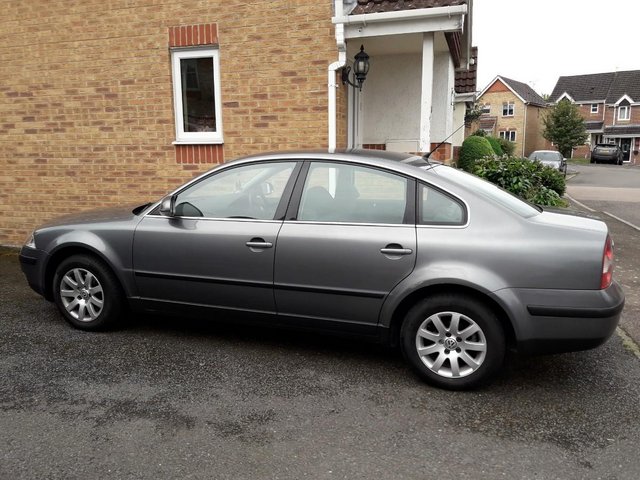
(564, 127)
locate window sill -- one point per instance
(197, 142)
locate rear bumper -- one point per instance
(554, 321)
(32, 263)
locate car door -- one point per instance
(217, 250)
(348, 239)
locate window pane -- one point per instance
(198, 94)
(252, 191)
(438, 208)
(350, 194)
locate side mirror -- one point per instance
(167, 206)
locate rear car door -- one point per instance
(348, 239)
(218, 248)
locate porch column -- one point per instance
(426, 101)
(443, 87)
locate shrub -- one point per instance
(531, 181)
(496, 145)
(474, 148)
(479, 133)
(508, 147)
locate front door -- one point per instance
(353, 239)
(625, 146)
(218, 248)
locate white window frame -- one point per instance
(183, 137)
(507, 134)
(510, 108)
(627, 110)
(595, 108)
(486, 108)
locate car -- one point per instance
(607, 153)
(386, 246)
(550, 158)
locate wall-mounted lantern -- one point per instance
(360, 69)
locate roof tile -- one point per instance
(466, 80)
(609, 86)
(380, 6)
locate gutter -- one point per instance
(417, 14)
(332, 83)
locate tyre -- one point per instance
(453, 341)
(87, 293)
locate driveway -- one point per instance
(171, 398)
(613, 193)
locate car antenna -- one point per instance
(426, 156)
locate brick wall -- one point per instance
(496, 97)
(86, 113)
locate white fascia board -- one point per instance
(506, 84)
(440, 19)
(623, 98)
(567, 96)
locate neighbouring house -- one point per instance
(514, 111)
(610, 105)
(105, 103)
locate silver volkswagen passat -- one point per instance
(449, 267)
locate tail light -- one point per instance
(607, 264)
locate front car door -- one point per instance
(348, 239)
(218, 248)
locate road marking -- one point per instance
(628, 342)
(579, 203)
(622, 220)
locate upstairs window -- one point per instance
(594, 108)
(196, 93)
(508, 109)
(486, 108)
(624, 112)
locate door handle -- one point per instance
(258, 243)
(395, 249)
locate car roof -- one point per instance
(544, 151)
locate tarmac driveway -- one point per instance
(178, 399)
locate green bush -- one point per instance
(496, 145)
(508, 147)
(479, 133)
(531, 181)
(474, 148)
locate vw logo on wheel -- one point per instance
(451, 343)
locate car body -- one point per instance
(550, 158)
(386, 246)
(607, 153)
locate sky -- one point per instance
(537, 41)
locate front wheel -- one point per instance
(453, 341)
(87, 293)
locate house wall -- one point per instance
(86, 109)
(534, 139)
(496, 96)
(392, 92)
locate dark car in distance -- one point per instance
(449, 267)
(607, 153)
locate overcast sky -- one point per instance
(538, 41)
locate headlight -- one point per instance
(31, 241)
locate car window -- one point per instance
(489, 191)
(249, 191)
(336, 192)
(437, 208)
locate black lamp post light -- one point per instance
(360, 69)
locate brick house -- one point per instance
(513, 110)
(610, 105)
(104, 103)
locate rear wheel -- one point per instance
(87, 293)
(453, 341)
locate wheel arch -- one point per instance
(66, 251)
(407, 302)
